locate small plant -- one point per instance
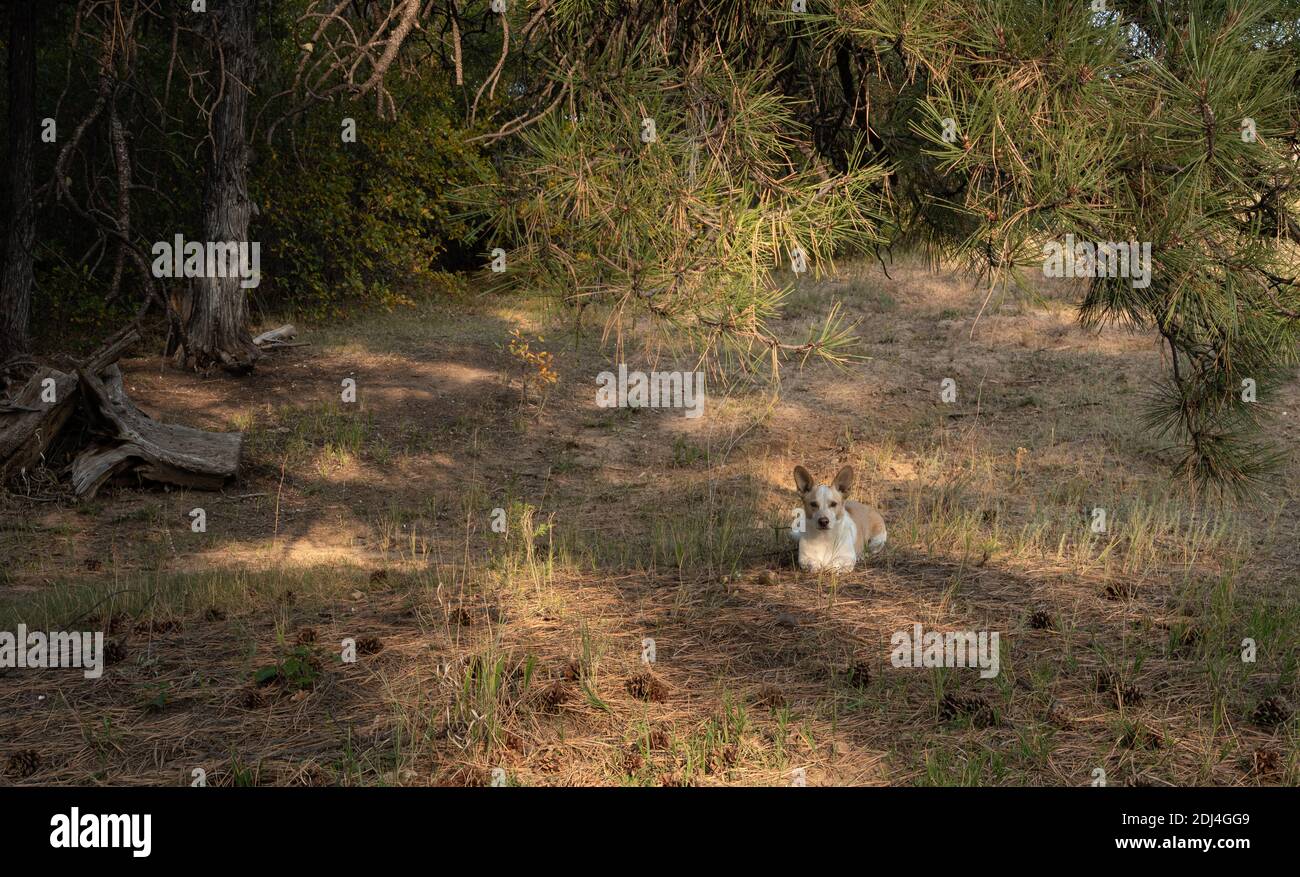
(160, 700)
(685, 454)
(717, 746)
(242, 775)
(535, 366)
(487, 689)
(299, 669)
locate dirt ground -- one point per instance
(517, 656)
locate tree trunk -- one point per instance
(16, 275)
(217, 327)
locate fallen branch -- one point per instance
(155, 451)
(30, 421)
(276, 337)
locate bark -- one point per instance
(111, 436)
(134, 441)
(30, 421)
(122, 162)
(16, 274)
(218, 319)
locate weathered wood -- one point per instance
(276, 336)
(97, 463)
(111, 349)
(28, 423)
(100, 462)
(158, 451)
(128, 440)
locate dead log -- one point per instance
(276, 337)
(112, 349)
(126, 439)
(134, 441)
(30, 421)
(97, 463)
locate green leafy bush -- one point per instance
(362, 222)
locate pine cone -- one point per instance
(1271, 712)
(859, 673)
(1185, 641)
(1120, 590)
(369, 645)
(1059, 718)
(974, 706)
(1142, 737)
(721, 759)
(769, 697)
(24, 763)
(1042, 620)
(1121, 692)
(647, 686)
(1265, 762)
(114, 652)
(552, 696)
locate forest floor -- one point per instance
(519, 654)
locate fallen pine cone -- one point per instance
(647, 686)
(369, 645)
(23, 763)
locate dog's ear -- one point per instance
(844, 480)
(802, 480)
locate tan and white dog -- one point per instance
(837, 532)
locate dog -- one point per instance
(837, 532)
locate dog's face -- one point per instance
(823, 504)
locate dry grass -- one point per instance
(521, 652)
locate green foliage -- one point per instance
(338, 223)
(367, 221)
(298, 669)
(1116, 125)
(1130, 128)
(71, 300)
(697, 226)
